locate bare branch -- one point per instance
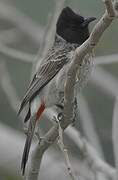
(11, 147)
(109, 8)
(89, 151)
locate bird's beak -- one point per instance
(87, 21)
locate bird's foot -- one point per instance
(60, 106)
(60, 116)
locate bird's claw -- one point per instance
(60, 116)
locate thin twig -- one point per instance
(88, 150)
(65, 152)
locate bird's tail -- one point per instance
(30, 133)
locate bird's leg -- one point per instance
(60, 114)
(60, 105)
(38, 132)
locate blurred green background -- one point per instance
(100, 104)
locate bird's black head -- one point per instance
(72, 27)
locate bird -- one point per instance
(48, 81)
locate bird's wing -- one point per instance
(45, 73)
